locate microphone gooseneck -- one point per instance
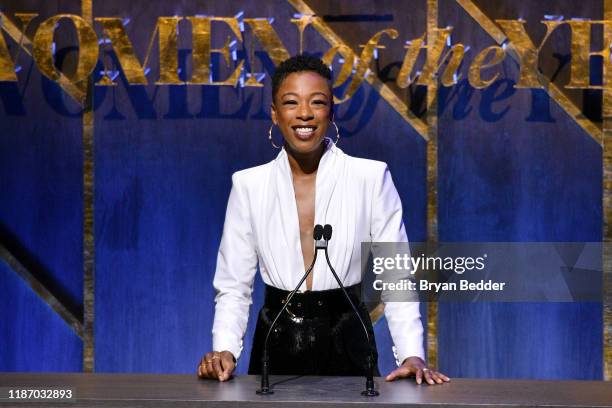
(265, 360)
(369, 391)
(321, 236)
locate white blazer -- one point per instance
(356, 196)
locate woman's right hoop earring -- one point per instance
(270, 138)
(337, 132)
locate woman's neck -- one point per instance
(305, 164)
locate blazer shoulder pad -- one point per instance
(251, 174)
(368, 168)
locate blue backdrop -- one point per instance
(513, 166)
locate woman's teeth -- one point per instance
(304, 131)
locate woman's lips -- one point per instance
(304, 132)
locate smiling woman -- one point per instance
(302, 109)
(271, 213)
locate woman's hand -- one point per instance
(217, 365)
(414, 366)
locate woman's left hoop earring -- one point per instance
(337, 132)
(270, 138)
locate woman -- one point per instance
(314, 180)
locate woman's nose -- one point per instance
(304, 112)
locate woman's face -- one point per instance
(302, 110)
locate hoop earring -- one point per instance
(270, 138)
(337, 132)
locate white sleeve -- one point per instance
(235, 272)
(403, 318)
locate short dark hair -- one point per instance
(299, 63)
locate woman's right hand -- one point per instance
(218, 365)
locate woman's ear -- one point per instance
(273, 113)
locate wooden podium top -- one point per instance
(149, 390)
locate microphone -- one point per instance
(265, 360)
(327, 232)
(369, 391)
(321, 235)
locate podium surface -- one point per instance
(151, 390)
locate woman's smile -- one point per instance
(302, 110)
(304, 132)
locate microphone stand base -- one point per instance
(370, 393)
(266, 391)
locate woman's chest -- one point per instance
(290, 211)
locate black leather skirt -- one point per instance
(318, 334)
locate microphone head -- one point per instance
(327, 232)
(318, 232)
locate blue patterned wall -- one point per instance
(512, 167)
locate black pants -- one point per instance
(318, 334)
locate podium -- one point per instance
(150, 390)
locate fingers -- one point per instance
(443, 377)
(205, 369)
(216, 366)
(202, 369)
(400, 372)
(227, 365)
(434, 377)
(422, 373)
(391, 376)
(427, 376)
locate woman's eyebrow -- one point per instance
(312, 94)
(319, 93)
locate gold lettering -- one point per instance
(581, 53)
(269, 39)
(134, 72)
(26, 19)
(88, 48)
(450, 76)
(347, 66)
(302, 23)
(201, 29)
(365, 59)
(168, 51)
(524, 47)
(252, 81)
(414, 48)
(7, 68)
(433, 63)
(478, 65)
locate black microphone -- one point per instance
(369, 391)
(318, 232)
(265, 360)
(327, 232)
(321, 235)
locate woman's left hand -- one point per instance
(415, 367)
